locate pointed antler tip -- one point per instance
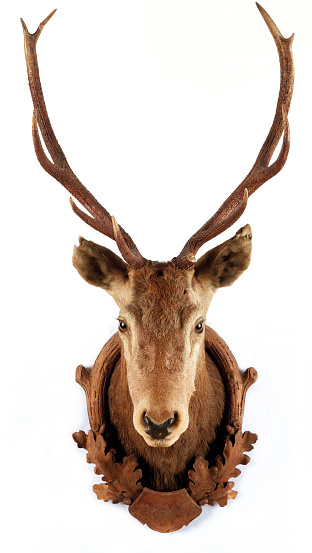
(260, 8)
(116, 229)
(263, 12)
(45, 21)
(73, 206)
(25, 30)
(51, 14)
(115, 226)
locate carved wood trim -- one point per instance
(208, 484)
(95, 382)
(236, 383)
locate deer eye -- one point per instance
(199, 327)
(122, 326)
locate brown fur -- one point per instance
(160, 297)
(164, 372)
(167, 465)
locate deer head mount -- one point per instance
(173, 397)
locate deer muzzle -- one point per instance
(160, 428)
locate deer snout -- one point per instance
(159, 426)
(162, 430)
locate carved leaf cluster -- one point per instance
(202, 480)
(211, 484)
(121, 480)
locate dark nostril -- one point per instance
(159, 431)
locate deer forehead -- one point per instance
(161, 298)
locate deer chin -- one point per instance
(166, 442)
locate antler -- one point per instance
(236, 203)
(99, 218)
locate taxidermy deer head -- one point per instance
(163, 306)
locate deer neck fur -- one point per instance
(167, 466)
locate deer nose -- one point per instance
(159, 431)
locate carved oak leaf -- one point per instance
(128, 477)
(95, 445)
(80, 439)
(104, 462)
(222, 494)
(211, 484)
(104, 492)
(233, 454)
(125, 486)
(201, 480)
(121, 479)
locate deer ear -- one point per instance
(222, 265)
(99, 266)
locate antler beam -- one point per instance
(99, 218)
(229, 212)
(236, 203)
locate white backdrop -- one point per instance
(161, 108)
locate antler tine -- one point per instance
(59, 168)
(236, 203)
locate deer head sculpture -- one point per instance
(163, 306)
